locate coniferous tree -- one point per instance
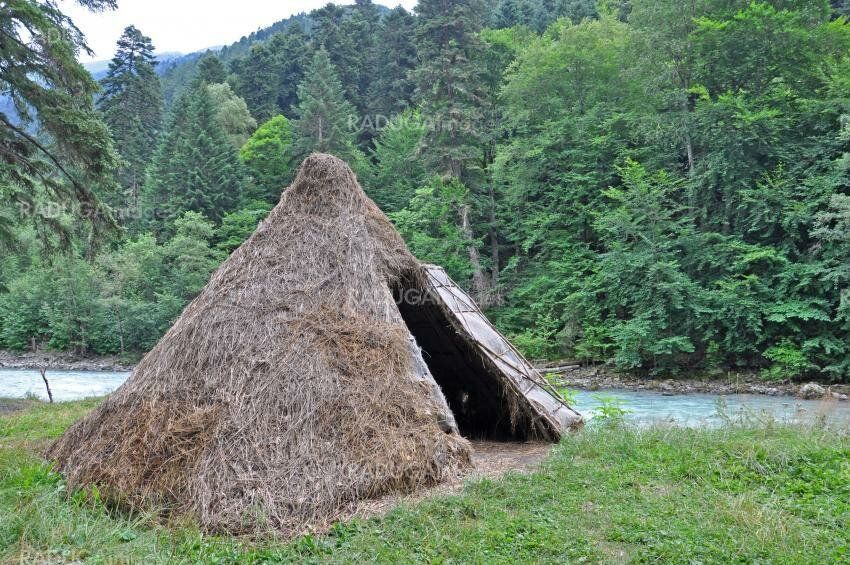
(578, 10)
(506, 13)
(348, 34)
(323, 112)
(132, 106)
(195, 167)
(449, 91)
(392, 59)
(268, 76)
(211, 70)
(399, 171)
(362, 26)
(448, 83)
(43, 80)
(257, 81)
(291, 52)
(840, 8)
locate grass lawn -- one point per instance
(607, 494)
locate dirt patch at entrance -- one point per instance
(493, 459)
(490, 459)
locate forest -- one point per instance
(659, 185)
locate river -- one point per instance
(641, 407)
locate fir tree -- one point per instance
(195, 167)
(348, 35)
(578, 10)
(323, 113)
(211, 70)
(448, 83)
(399, 171)
(449, 91)
(42, 78)
(257, 81)
(392, 59)
(291, 55)
(132, 107)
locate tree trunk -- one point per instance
(495, 254)
(480, 287)
(46, 384)
(120, 329)
(690, 148)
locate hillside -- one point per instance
(178, 72)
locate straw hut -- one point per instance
(321, 366)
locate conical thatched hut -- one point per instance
(295, 386)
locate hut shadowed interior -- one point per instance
(305, 378)
(491, 390)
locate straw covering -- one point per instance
(290, 389)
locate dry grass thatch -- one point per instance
(290, 389)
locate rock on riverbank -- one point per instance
(596, 378)
(61, 362)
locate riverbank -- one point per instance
(58, 361)
(609, 493)
(574, 376)
(566, 375)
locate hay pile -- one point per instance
(286, 391)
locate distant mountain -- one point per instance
(179, 72)
(98, 69)
(8, 109)
(177, 69)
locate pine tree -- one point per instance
(211, 70)
(323, 113)
(449, 91)
(195, 167)
(42, 79)
(132, 107)
(291, 52)
(392, 59)
(257, 81)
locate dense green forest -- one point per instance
(659, 184)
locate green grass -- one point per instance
(609, 493)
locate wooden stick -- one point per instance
(46, 384)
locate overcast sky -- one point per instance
(188, 25)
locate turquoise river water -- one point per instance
(692, 410)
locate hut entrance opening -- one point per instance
(474, 392)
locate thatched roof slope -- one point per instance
(286, 391)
